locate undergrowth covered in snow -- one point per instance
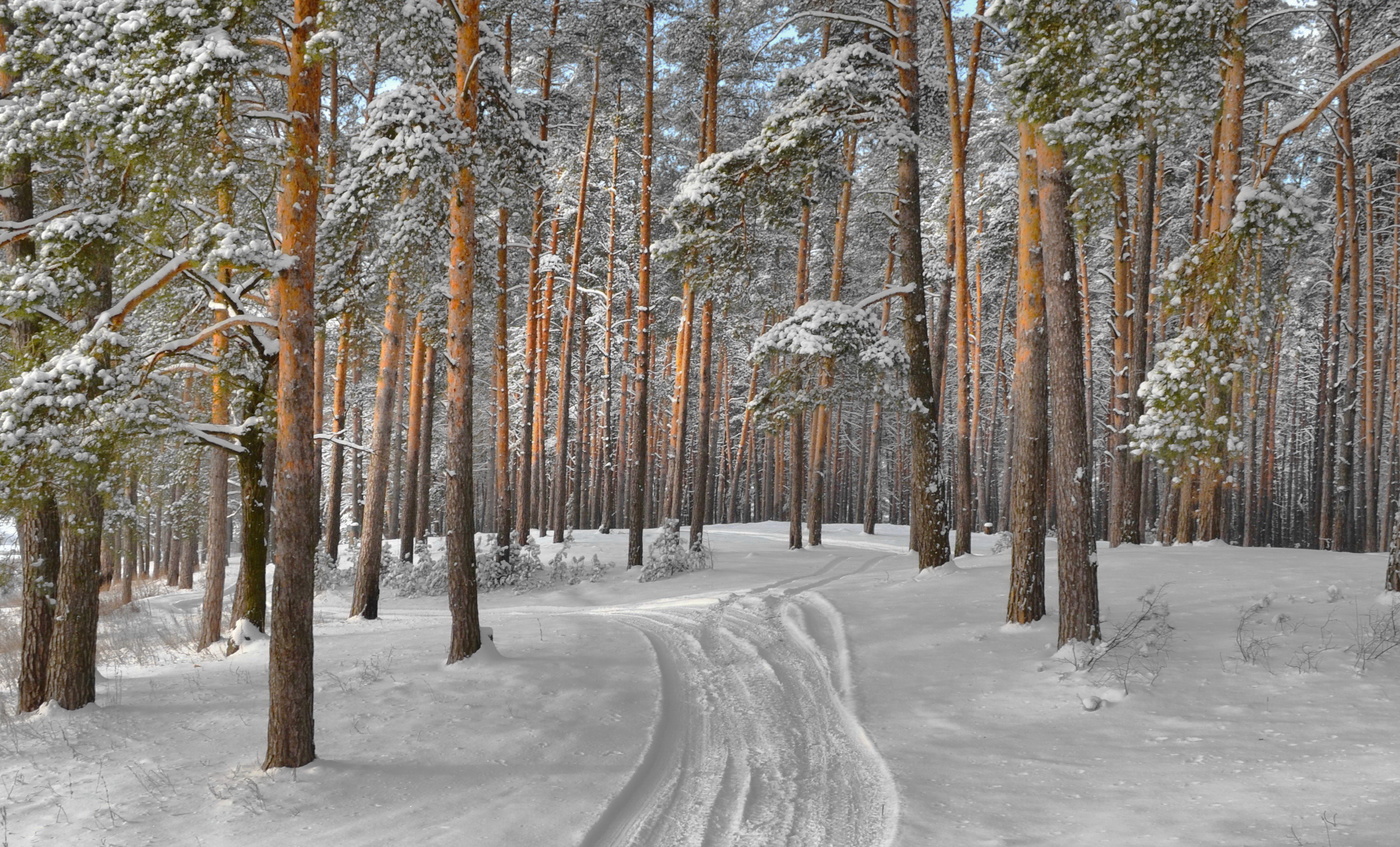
(669, 556)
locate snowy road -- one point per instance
(756, 742)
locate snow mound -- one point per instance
(488, 651)
(247, 637)
(947, 569)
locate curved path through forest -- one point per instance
(756, 740)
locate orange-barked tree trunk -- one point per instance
(1029, 438)
(365, 600)
(459, 526)
(290, 726)
(566, 340)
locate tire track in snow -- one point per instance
(756, 742)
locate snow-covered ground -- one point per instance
(827, 696)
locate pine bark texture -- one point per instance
(38, 529)
(1029, 440)
(72, 667)
(636, 501)
(465, 637)
(409, 525)
(1070, 467)
(336, 482)
(571, 306)
(365, 601)
(291, 727)
(928, 527)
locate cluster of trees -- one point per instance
(1120, 269)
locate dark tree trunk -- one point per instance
(700, 503)
(408, 528)
(636, 504)
(250, 598)
(72, 670)
(1077, 561)
(37, 522)
(928, 526)
(1130, 526)
(38, 529)
(425, 458)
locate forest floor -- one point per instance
(827, 696)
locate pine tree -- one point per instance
(290, 727)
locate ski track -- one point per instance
(756, 741)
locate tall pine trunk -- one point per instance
(797, 452)
(821, 415)
(459, 520)
(526, 490)
(365, 601)
(500, 359)
(1070, 468)
(216, 530)
(636, 505)
(700, 503)
(290, 728)
(425, 451)
(566, 341)
(1132, 464)
(957, 250)
(37, 520)
(928, 526)
(1029, 438)
(336, 482)
(612, 439)
(409, 524)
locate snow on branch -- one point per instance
(188, 343)
(1300, 123)
(232, 295)
(46, 312)
(830, 328)
(327, 436)
(115, 316)
(16, 230)
(213, 435)
(881, 296)
(837, 16)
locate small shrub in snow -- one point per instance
(669, 556)
(518, 569)
(421, 576)
(1373, 635)
(1254, 648)
(1135, 651)
(1306, 658)
(329, 576)
(571, 570)
(521, 569)
(1002, 543)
